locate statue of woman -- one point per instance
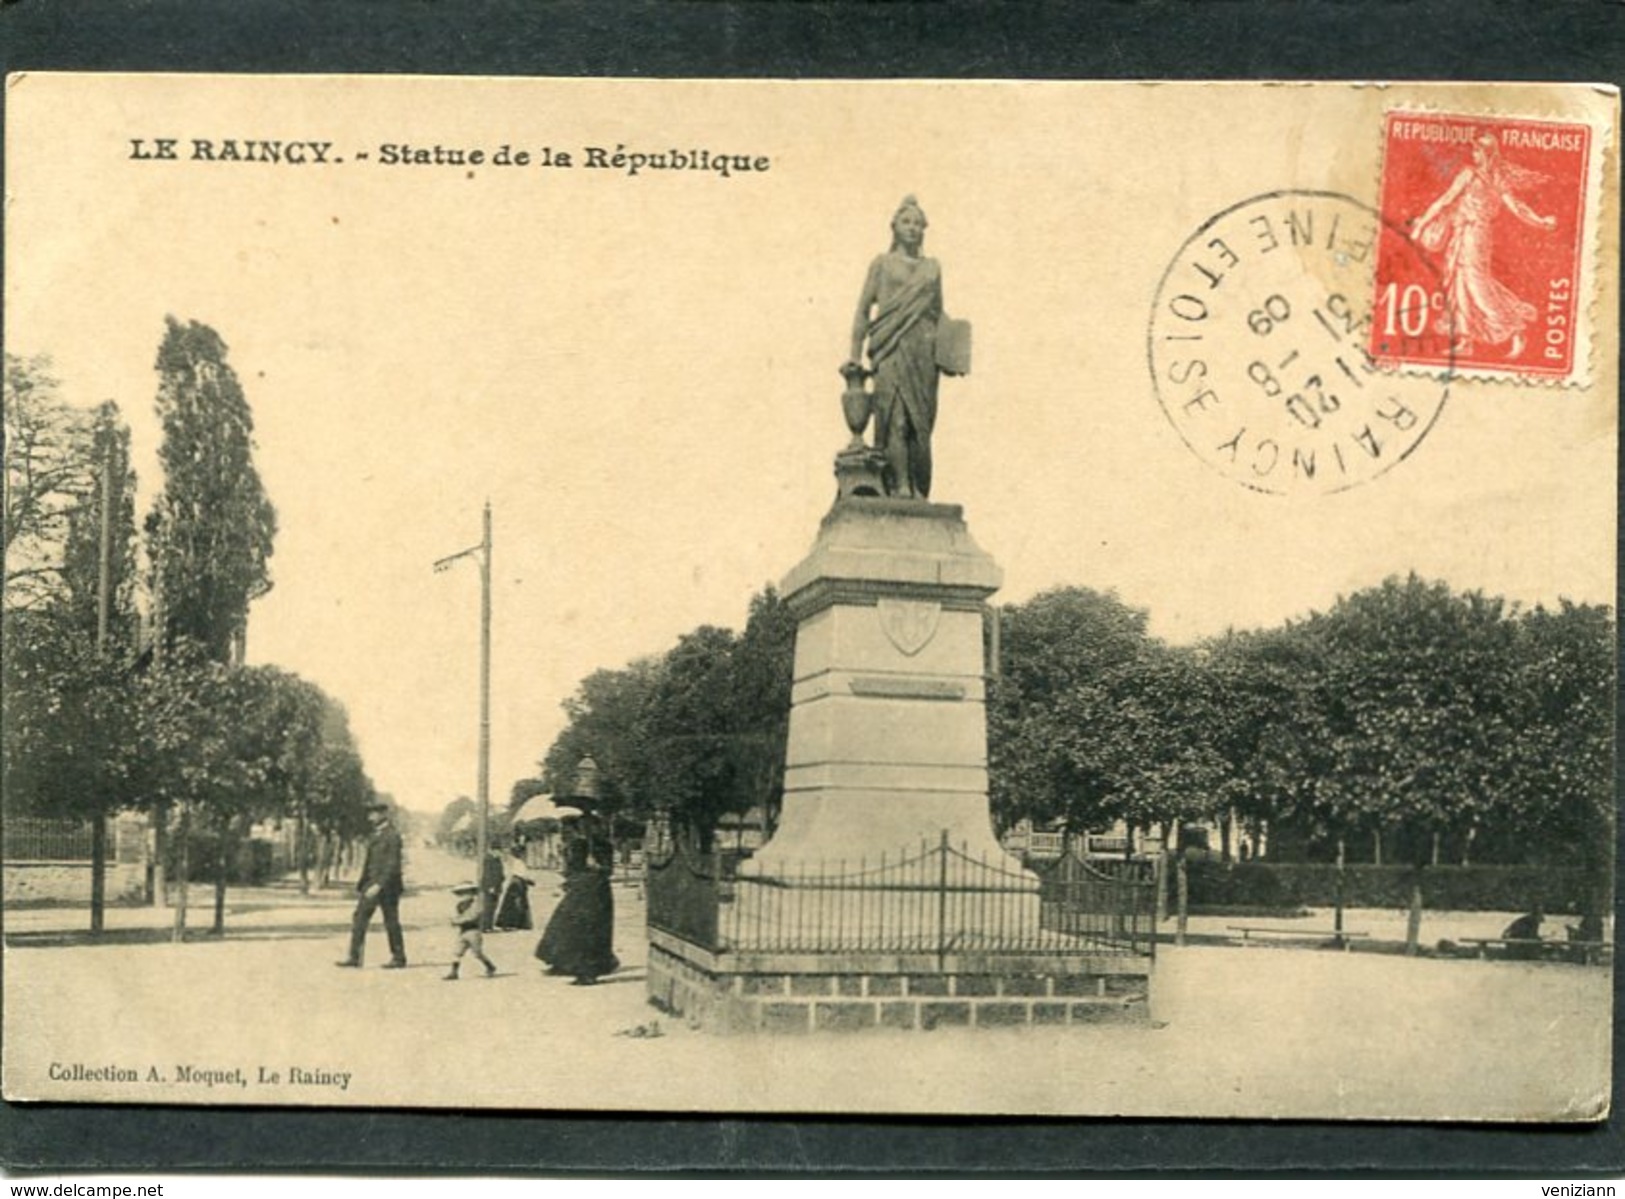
(897, 315)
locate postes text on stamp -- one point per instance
(1497, 207)
(1257, 348)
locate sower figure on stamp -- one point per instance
(380, 886)
(899, 314)
(1460, 223)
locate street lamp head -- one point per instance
(444, 564)
(586, 786)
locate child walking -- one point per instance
(466, 919)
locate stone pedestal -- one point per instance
(884, 899)
(860, 471)
(888, 727)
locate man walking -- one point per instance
(380, 886)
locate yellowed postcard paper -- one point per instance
(1081, 599)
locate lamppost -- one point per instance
(483, 552)
(584, 792)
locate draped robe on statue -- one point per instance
(902, 340)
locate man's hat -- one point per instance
(464, 889)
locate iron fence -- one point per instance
(1039, 845)
(684, 890)
(1100, 900)
(937, 899)
(43, 839)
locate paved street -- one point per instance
(1266, 1031)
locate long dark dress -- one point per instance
(579, 936)
(490, 886)
(513, 907)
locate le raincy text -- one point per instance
(619, 158)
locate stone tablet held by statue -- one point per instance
(953, 347)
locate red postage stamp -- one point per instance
(1494, 211)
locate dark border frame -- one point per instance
(1580, 40)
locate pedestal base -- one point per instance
(860, 471)
(809, 993)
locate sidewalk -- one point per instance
(271, 910)
(1281, 1032)
(1384, 928)
(279, 909)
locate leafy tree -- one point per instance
(1056, 692)
(450, 830)
(284, 732)
(1415, 686)
(699, 732)
(185, 729)
(1558, 760)
(607, 723)
(205, 754)
(761, 672)
(70, 696)
(1269, 728)
(228, 746)
(1167, 768)
(1067, 637)
(243, 783)
(1093, 721)
(1416, 717)
(211, 530)
(688, 729)
(49, 473)
(523, 791)
(335, 810)
(1397, 712)
(73, 734)
(71, 737)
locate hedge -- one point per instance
(250, 863)
(1444, 888)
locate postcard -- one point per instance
(765, 596)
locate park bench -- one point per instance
(1590, 952)
(1248, 931)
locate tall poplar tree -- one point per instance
(212, 528)
(210, 532)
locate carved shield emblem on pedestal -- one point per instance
(909, 624)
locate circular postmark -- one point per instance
(1257, 347)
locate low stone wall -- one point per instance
(69, 882)
(728, 993)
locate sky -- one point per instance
(639, 372)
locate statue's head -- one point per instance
(908, 224)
